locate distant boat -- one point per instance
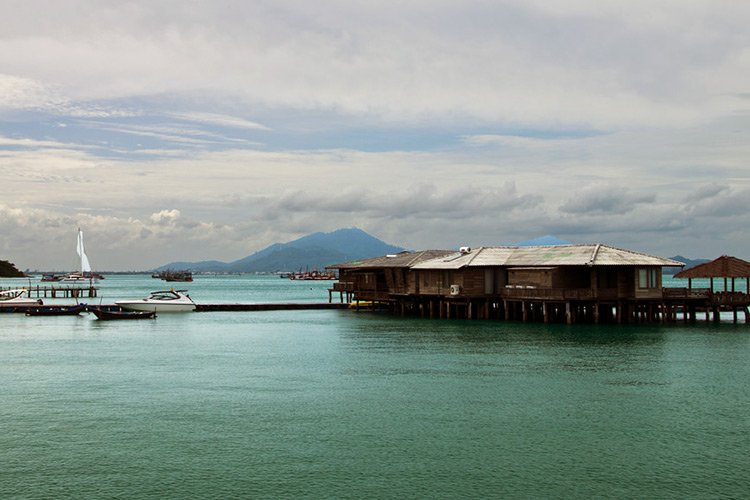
(117, 312)
(170, 275)
(85, 273)
(312, 275)
(163, 301)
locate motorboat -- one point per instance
(163, 301)
(18, 297)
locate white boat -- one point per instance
(85, 273)
(163, 301)
(18, 297)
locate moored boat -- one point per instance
(73, 310)
(164, 301)
(18, 297)
(117, 312)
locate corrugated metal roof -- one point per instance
(559, 255)
(402, 259)
(724, 266)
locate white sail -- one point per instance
(85, 266)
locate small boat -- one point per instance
(56, 310)
(170, 275)
(163, 301)
(52, 277)
(117, 312)
(18, 297)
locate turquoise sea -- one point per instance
(345, 404)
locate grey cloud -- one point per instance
(720, 202)
(421, 200)
(605, 200)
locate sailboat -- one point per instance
(85, 273)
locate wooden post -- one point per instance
(524, 312)
(545, 312)
(596, 313)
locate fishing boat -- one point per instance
(18, 297)
(163, 301)
(73, 310)
(85, 273)
(117, 312)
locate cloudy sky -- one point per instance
(195, 130)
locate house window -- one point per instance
(647, 278)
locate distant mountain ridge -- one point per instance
(314, 251)
(688, 263)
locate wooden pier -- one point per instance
(58, 291)
(269, 307)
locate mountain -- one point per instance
(688, 263)
(314, 251)
(9, 270)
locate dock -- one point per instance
(58, 291)
(269, 307)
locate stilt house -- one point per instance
(562, 282)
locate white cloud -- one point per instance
(221, 120)
(165, 217)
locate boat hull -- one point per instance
(117, 313)
(56, 310)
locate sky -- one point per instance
(201, 130)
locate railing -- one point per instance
(730, 299)
(343, 286)
(686, 293)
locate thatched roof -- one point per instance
(723, 267)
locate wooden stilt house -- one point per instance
(552, 283)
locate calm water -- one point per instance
(339, 404)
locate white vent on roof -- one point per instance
(464, 249)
